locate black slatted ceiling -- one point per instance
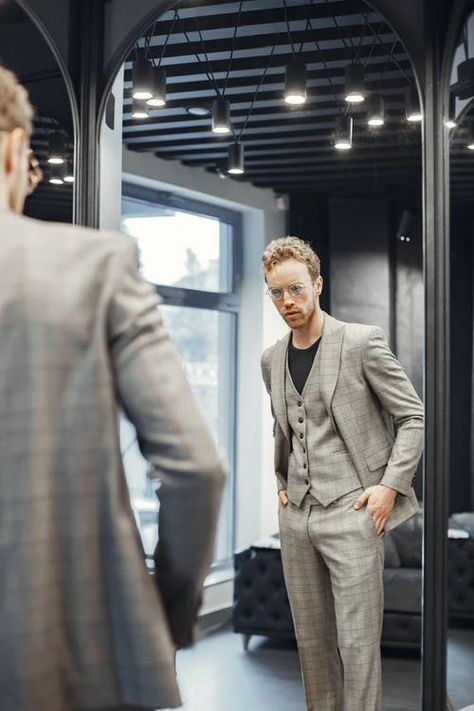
(285, 148)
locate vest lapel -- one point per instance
(330, 359)
(278, 369)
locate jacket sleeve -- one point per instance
(398, 397)
(280, 440)
(155, 395)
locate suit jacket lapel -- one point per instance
(278, 371)
(330, 359)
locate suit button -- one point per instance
(306, 481)
(301, 435)
(305, 466)
(299, 403)
(304, 450)
(300, 419)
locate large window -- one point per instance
(191, 252)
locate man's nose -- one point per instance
(288, 300)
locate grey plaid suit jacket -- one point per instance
(82, 623)
(361, 383)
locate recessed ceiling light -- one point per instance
(198, 110)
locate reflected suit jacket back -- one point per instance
(362, 386)
(83, 624)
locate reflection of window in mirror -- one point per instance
(460, 125)
(229, 125)
(52, 140)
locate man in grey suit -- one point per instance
(83, 625)
(343, 477)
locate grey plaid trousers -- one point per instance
(333, 566)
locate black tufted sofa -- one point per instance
(261, 603)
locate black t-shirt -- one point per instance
(300, 362)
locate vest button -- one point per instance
(301, 435)
(306, 481)
(300, 419)
(304, 450)
(299, 403)
(304, 466)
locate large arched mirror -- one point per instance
(53, 136)
(252, 120)
(460, 125)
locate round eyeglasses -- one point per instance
(294, 290)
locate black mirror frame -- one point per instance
(441, 22)
(43, 30)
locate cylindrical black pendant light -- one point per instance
(235, 165)
(69, 172)
(414, 113)
(142, 78)
(295, 82)
(470, 138)
(355, 83)
(140, 109)
(221, 116)
(343, 133)
(159, 88)
(56, 174)
(57, 148)
(375, 110)
(451, 117)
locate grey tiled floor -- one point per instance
(217, 675)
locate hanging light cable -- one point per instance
(236, 150)
(295, 71)
(158, 99)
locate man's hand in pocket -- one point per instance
(283, 497)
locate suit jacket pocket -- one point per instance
(379, 459)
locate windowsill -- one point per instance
(217, 577)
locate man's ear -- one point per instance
(15, 146)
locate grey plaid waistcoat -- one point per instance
(319, 461)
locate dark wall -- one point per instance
(308, 220)
(360, 278)
(371, 276)
(461, 482)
